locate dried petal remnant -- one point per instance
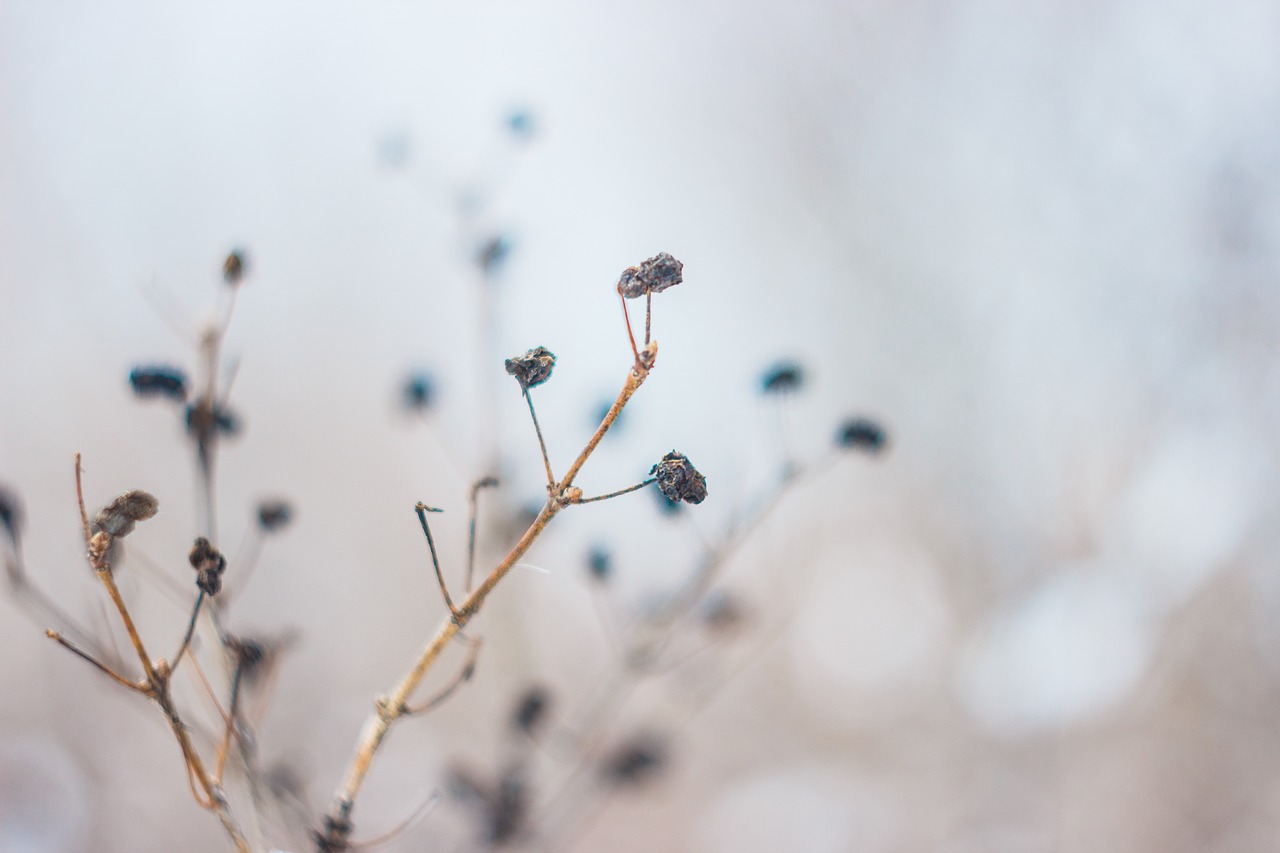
(118, 517)
(533, 368)
(209, 565)
(652, 276)
(679, 480)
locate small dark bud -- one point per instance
(521, 124)
(204, 420)
(10, 514)
(679, 480)
(233, 267)
(419, 392)
(159, 381)
(273, 515)
(334, 836)
(493, 254)
(531, 711)
(652, 276)
(600, 563)
(209, 565)
(249, 656)
(533, 368)
(635, 762)
(784, 377)
(861, 434)
(118, 517)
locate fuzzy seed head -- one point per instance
(118, 517)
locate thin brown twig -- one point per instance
(637, 486)
(546, 459)
(460, 678)
(142, 688)
(191, 629)
(487, 482)
(422, 509)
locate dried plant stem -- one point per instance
(191, 629)
(389, 708)
(546, 460)
(487, 482)
(636, 487)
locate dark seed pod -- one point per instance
(531, 712)
(652, 276)
(118, 517)
(419, 392)
(600, 563)
(861, 434)
(204, 420)
(209, 565)
(159, 381)
(782, 378)
(273, 515)
(635, 762)
(679, 480)
(233, 267)
(533, 368)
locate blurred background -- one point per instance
(1035, 242)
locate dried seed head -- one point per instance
(334, 836)
(531, 711)
(233, 267)
(784, 377)
(209, 565)
(203, 420)
(493, 253)
(159, 381)
(273, 515)
(652, 276)
(636, 761)
(521, 124)
(533, 368)
(861, 434)
(679, 480)
(118, 517)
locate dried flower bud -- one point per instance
(273, 515)
(600, 563)
(861, 434)
(636, 762)
(533, 368)
(782, 378)
(204, 420)
(531, 712)
(652, 276)
(334, 836)
(679, 480)
(118, 517)
(233, 267)
(209, 565)
(159, 381)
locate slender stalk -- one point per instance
(648, 314)
(636, 487)
(487, 482)
(546, 460)
(191, 629)
(108, 671)
(422, 510)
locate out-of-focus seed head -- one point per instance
(118, 517)
(203, 421)
(493, 254)
(636, 761)
(652, 276)
(273, 515)
(233, 268)
(10, 514)
(159, 381)
(419, 392)
(533, 368)
(531, 711)
(679, 480)
(600, 563)
(783, 378)
(209, 565)
(861, 434)
(721, 612)
(521, 124)
(334, 835)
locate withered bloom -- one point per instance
(159, 381)
(419, 392)
(118, 517)
(532, 710)
(679, 480)
(783, 377)
(209, 565)
(273, 515)
(652, 276)
(861, 434)
(233, 268)
(533, 368)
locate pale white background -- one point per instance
(1037, 240)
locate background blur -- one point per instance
(1036, 240)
